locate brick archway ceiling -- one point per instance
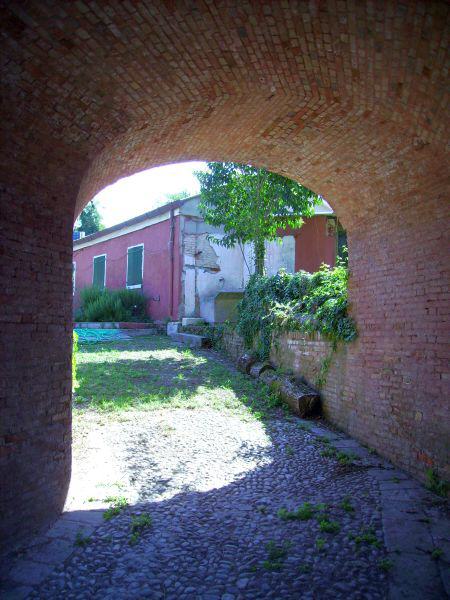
(339, 95)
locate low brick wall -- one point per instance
(306, 356)
(232, 344)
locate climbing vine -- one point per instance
(316, 302)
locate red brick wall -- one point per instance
(35, 340)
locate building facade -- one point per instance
(168, 255)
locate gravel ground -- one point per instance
(212, 484)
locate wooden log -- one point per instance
(303, 400)
(258, 368)
(245, 362)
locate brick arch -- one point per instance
(348, 98)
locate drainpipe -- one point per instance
(171, 255)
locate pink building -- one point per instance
(167, 254)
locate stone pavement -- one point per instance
(204, 489)
(213, 487)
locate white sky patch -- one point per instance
(135, 195)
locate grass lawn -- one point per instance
(152, 373)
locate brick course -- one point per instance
(346, 97)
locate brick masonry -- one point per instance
(346, 97)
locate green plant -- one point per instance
(329, 452)
(385, 564)
(117, 504)
(138, 524)
(289, 450)
(320, 543)
(346, 458)
(328, 526)
(304, 427)
(437, 553)
(74, 361)
(301, 301)
(321, 378)
(367, 536)
(99, 305)
(305, 568)
(347, 505)
(436, 484)
(304, 512)
(81, 540)
(276, 555)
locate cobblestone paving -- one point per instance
(204, 490)
(213, 485)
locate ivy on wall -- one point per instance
(302, 301)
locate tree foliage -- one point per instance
(90, 220)
(252, 205)
(178, 195)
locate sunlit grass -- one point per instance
(152, 374)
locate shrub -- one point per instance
(295, 302)
(74, 361)
(111, 305)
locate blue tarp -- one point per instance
(101, 335)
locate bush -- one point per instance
(111, 305)
(74, 361)
(295, 302)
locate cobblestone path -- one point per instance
(206, 504)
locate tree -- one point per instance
(90, 220)
(251, 205)
(178, 195)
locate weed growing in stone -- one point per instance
(305, 568)
(367, 536)
(138, 524)
(289, 450)
(385, 564)
(320, 543)
(437, 553)
(304, 512)
(436, 484)
(347, 505)
(276, 553)
(82, 540)
(328, 526)
(304, 427)
(117, 504)
(346, 458)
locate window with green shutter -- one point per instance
(99, 271)
(135, 259)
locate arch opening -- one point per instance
(365, 131)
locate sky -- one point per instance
(135, 195)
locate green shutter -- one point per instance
(134, 266)
(98, 278)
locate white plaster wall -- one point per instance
(280, 255)
(189, 292)
(228, 279)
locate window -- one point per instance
(74, 272)
(135, 266)
(99, 271)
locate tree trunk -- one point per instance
(260, 254)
